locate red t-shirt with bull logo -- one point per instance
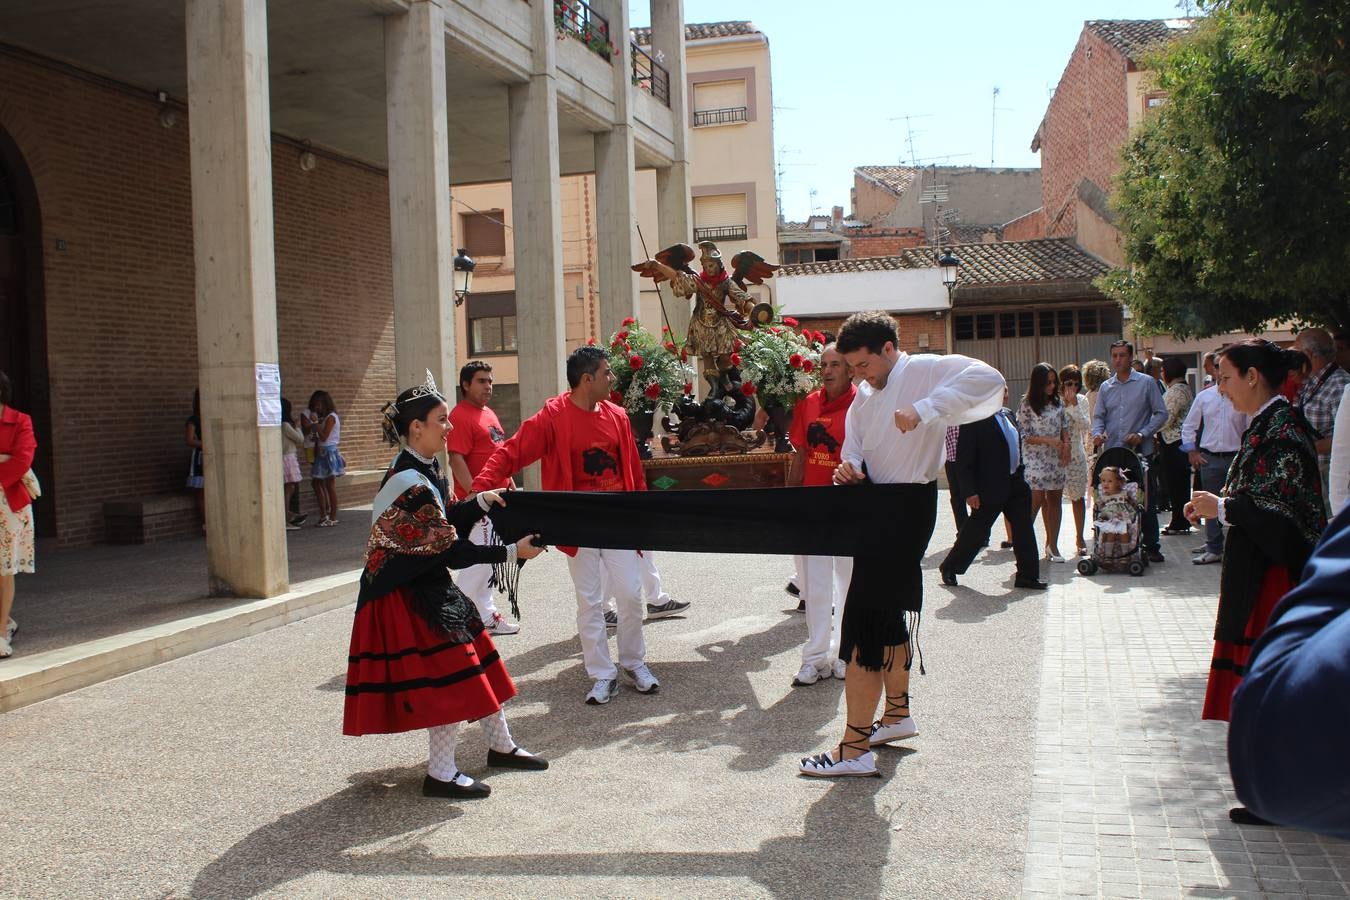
(818, 431)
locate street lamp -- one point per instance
(464, 267)
(948, 264)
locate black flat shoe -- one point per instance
(801, 606)
(515, 760)
(1030, 584)
(1241, 815)
(1171, 530)
(1005, 545)
(793, 589)
(474, 790)
(948, 578)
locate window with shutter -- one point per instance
(719, 102)
(720, 217)
(483, 233)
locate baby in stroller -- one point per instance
(1116, 519)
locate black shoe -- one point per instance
(948, 577)
(793, 589)
(1154, 555)
(434, 787)
(300, 519)
(1176, 529)
(516, 760)
(1029, 584)
(801, 606)
(1241, 815)
(1005, 545)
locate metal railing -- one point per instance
(649, 75)
(574, 18)
(719, 116)
(722, 233)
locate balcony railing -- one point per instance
(722, 233)
(573, 18)
(649, 76)
(719, 116)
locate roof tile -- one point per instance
(983, 265)
(1135, 37)
(896, 179)
(696, 31)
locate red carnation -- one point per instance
(629, 321)
(627, 347)
(635, 361)
(775, 330)
(665, 328)
(789, 321)
(820, 337)
(684, 355)
(653, 391)
(670, 345)
(736, 360)
(688, 387)
(807, 365)
(591, 342)
(621, 336)
(616, 397)
(737, 344)
(748, 389)
(795, 360)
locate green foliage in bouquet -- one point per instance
(779, 363)
(648, 371)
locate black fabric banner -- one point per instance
(857, 520)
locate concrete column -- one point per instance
(419, 195)
(674, 216)
(616, 186)
(536, 231)
(231, 159)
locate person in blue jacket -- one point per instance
(1289, 740)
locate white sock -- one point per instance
(441, 763)
(498, 735)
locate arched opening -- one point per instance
(23, 325)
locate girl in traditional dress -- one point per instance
(420, 657)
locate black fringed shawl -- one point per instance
(856, 520)
(412, 545)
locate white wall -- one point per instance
(843, 293)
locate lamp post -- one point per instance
(464, 267)
(948, 264)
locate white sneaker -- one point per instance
(6, 651)
(1206, 558)
(643, 679)
(884, 734)
(10, 627)
(501, 625)
(602, 691)
(840, 669)
(291, 526)
(807, 675)
(822, 766)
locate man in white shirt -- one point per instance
(1210, 436)
(894, 434)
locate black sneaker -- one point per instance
(1154, 555)
(661, 610)
(300, 520)
(793, 589)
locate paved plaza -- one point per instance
(1060, 753)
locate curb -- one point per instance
(30, 679)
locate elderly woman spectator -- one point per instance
(1272, 503)
(1080, 425)
(1095, 374)
(17, 446)
(1176, 467)
(1045, 451)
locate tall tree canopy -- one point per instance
(1234, 196)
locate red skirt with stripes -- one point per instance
(1230, 660)
(403, 675)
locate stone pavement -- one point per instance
(224, 773)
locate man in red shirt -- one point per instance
(817, 433)
(585, 443)
(475, 431)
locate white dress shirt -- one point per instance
(944, 390)
(1213, 413)
(1338, 482)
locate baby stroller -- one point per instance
(1117, 517)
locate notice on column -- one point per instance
(269, 394)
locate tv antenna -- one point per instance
(993, 122)
(910, 132)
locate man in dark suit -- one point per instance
(989, 472)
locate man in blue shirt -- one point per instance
(1289, 738)
(1129, 413)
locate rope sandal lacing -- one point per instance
(823, 760)
(894, 704)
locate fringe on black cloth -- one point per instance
(506, 577)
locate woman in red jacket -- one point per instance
(16, 507)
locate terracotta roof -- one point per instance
(982, 265)
(1135, 37)
(896, 179)
(791, 226)
(698, 31)
(974, 234)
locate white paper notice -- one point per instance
(269, 394)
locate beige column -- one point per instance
(536, 230)
(231, 160)
(419, 195)
(616, 187)
(674, 216)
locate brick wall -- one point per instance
(1086, 123)
(1026, 228)
(888, 242)
(910, 327)
(114, 186)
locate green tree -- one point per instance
(1234, 197)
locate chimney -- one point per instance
(837, 214)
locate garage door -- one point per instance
(1015, 340)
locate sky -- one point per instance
(846, 73)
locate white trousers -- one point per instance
(824, 585)
(476, 581)
(595, 572)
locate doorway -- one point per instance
(23, 321)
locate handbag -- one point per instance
(31, 485)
